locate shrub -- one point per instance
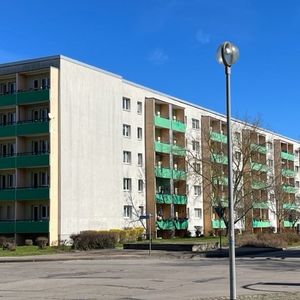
(3, 240)
(9, 246)
(28, 242)
(128, 234)
(87, 240)
(41, 242)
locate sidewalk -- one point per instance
(272, 296)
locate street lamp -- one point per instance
(227, 55)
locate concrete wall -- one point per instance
(90, 149)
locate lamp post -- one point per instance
(227, 55)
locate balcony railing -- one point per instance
(289, 189)
(163, 172)
(171, 224)
(24, 97)
(179, 174)
(259, 185)
(289, 224)
(261, 224)
(218, 137)
(178, 126)
(259, 167)
(217, 224)
(162, 147)
(287, 156)
(288, 173)
(24, 226)
(261, 204)
(181, 224)
(258, 148)
(169, 199)
(162, 122)
(291, 206)
(27, 193)
(220, 180)
(219, 158)
(25, 160)
(177, 150)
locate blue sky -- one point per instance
(170, 46)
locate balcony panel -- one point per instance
(40, 193)
(261, 224)
(259, 185)
(290, 206)
(7, 195)
(219, 159)
(180, 199)
(30, 97)
(165, 224)
(37, 160)
(178, 126)
(177, 150)
(179, 174)
(162, 147)
(8, 100)
(8, 162)
(261, 205)
(38, 127)
(162, 122)
(41, 226)
(218, 137)
(288, 173)
(217, 224)
(287, 156)
(258, 148)
(220, 181)
(289, 189)
(163, 198)
(7, 227)
(259, 167)
(8, 130)
(181, 224)
(289, 224)
(163, 172)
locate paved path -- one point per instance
(136, 276)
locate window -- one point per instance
(44, 212)
(141, 209)
(139, 133)
(35, 83)
(297, 169)
(197, 190)
(198, 213)
(127, 184)
(270, 163)
(195, 124)
(196, 167)
(127, 157)
(127, 211)
(126, 130)
(237, 136)
(126, 104)
(195, 146)
(140, 185)
(297, 184)
(45, 83)
(237, 155)
(139, 107)
(140, 159)
(269, 146)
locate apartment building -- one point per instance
(84, 149)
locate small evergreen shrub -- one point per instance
(41, 242)
(28, 242)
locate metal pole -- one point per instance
(150, 236)
(232, 270)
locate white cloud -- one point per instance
(202, 37)
(158, 56)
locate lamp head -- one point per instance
(227, 54)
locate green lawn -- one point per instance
(32, 250)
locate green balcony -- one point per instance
(220, 181)
(181, 224)
(289, 224)
(178, 126)
(291, 206)
(222, 202)
(29, 128)
(26, 97)
(165, 224)
(179, 174)
(261, 224)
(30, 97)
(259, 167)
(8, 130)
(258, 148)
(218, 137)
(287, 156)
(289, 189)
(180, 199)
(7, 226)
(259, 185)
(261, 205)
(24, 161)
(162, 122)
(163, 172)
(8, 100)
(288, 173)
(162, 147)
(177, 150)
(41, 226)
(163, 198)
(20, 194)
(217, 224)
(219, 159)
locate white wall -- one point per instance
(90, 149)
